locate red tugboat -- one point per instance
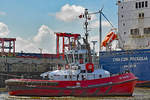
(118, 85)
(80, 77)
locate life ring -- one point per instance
(59, 68)
(67, 66)
(90, 67)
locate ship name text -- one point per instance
(130, 59)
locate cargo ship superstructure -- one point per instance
(133, 41)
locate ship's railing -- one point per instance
(76, 77)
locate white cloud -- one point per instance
(96, 24)
(25, 45)
(69, 12)
(43, 32)
(21, 44)
(4, 31)
(105, 24)
(45, 40)
(2, 13)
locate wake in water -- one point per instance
(3, 95)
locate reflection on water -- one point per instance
(139, 94)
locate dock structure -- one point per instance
(7, 46)
(69, 42)
(24, 65)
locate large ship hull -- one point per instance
(137, 61)
(122, 85)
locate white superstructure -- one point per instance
(134, 24)
(77, 69)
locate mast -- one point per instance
(100, 29)
(86, 23)
(87, 17)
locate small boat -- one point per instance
(81, 76)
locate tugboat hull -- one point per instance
(119, 85)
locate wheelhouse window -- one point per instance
(139, 4)
(83, 71)
(141, 15)
(81, 59)
(134, 31)
(76, 57)
(136, 5)
(147, 30)
(146, 3)
(142, 4)
(69, 58)
(65, 76)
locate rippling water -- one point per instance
(3, 95)
(139, 94)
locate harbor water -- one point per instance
(139, 94)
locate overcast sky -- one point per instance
(33, 22)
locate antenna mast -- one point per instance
(87, 17)
(86, 23)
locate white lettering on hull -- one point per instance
(130, 59)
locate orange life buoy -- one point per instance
(90, 67)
